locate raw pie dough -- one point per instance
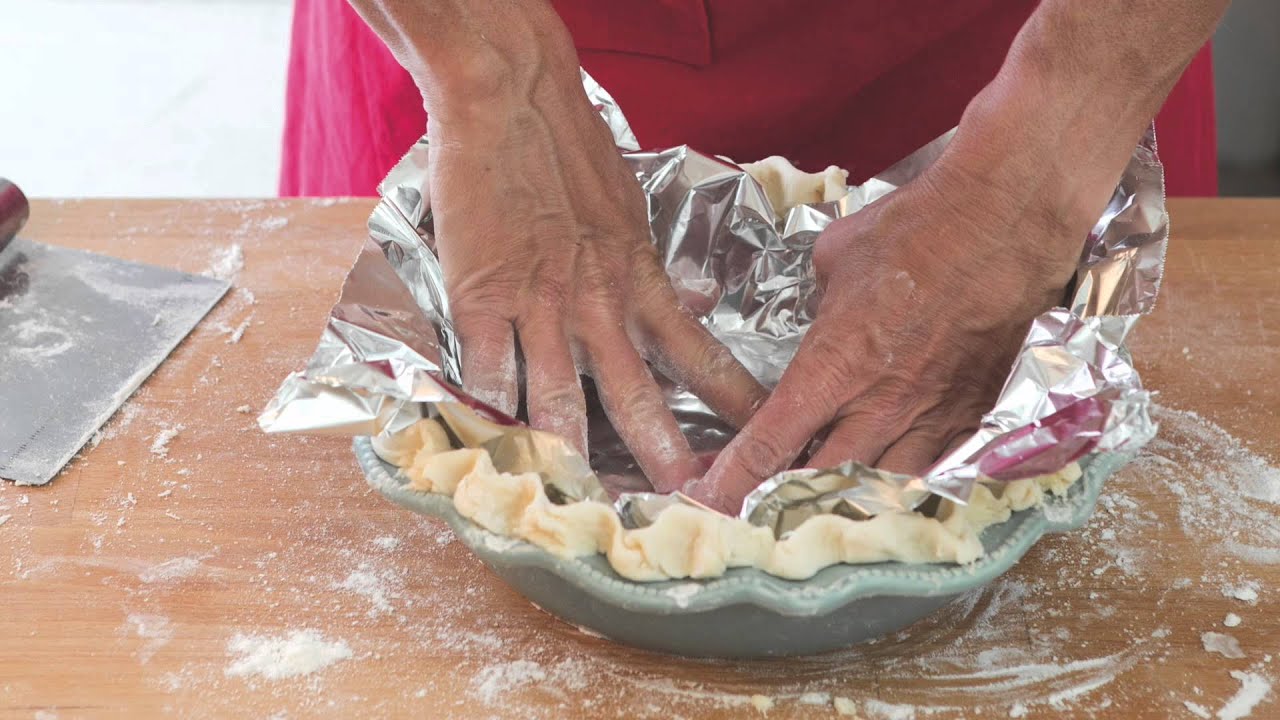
(687, 542)
(788, 186)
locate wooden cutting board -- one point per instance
(154, 574)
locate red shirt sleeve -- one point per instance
(856, 83)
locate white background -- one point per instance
(142, 98)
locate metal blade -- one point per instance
(79, 333)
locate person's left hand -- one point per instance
(927, 297)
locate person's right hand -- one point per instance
(543, 235)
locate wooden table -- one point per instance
(125, 583)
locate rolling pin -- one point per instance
(14, 211)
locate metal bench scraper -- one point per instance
(79, 332)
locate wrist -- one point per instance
(1053, 132)
(1046, 149)
(467, 55)
(525, 55)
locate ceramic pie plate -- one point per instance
(746, 613)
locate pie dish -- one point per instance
(746, 612)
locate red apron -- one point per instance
(855, 83)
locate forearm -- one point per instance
(1081, 83)
(465, 53)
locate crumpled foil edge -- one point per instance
(389, 355)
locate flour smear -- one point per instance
(301, 652)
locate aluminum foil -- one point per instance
(389, 355)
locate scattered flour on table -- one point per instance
(226, 263)
(845, 706)
(1225, 645)
(160, 443)
(377, 587)
(156, 630)
(123, 418)
(1197, 709)
(4, 519)
(168, 570)
(254, 227)
(1231, 620)
(815, 698)
(493, 682)
(1253, 689)
(1228, 495)
(236, 334)
(1246, 592)
(387, 542)
(889, 711)
(275, 222)
(302, 652)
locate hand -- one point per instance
(543, 235)
(929, 292)
(927, 296)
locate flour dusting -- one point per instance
(1197, 709)
(1225, 645)
(155, 630)
(1247, 592)
(496, 680)
(234, 335)
(889, 711)
(302, 652)
(376, 587)
(815, 698)
(168, 570)
(160, 443)
(226, 263)
(1253, 689)
(1228, 495)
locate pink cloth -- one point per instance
(856, 83)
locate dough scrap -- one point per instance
(689, 542)
(787, 186)
(400, 448)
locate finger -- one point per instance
(862, 435)
(916, 451)
(912, 453)
(488, 360)
(553, 391)
(688, 353)
(805, 400)
(960, 438)
(638, 411)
